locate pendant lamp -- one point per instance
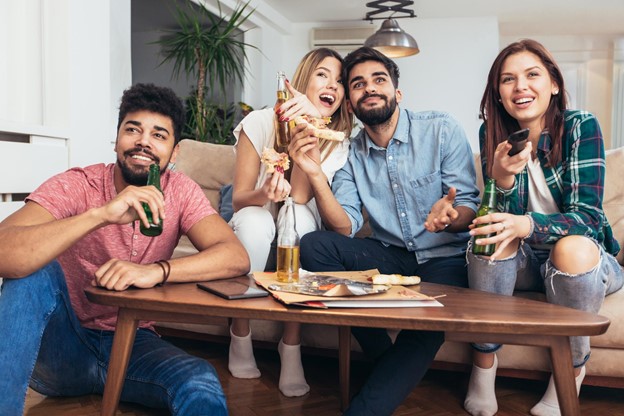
(390, 39)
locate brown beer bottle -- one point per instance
(154, 229)
(488, 206)
(282, 138)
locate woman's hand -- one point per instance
(297, 105)
(276, 188)
(505, 167)
(505, 227)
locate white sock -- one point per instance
(481, 396)
(549, 405)
(292, 381)
(241, 361)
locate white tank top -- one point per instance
(540, 198)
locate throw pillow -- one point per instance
(225, 203)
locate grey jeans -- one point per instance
(531, 269)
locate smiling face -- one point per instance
(325, 89)
(372, 95)
(526, 89)
(143, 138)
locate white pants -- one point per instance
(255, 228)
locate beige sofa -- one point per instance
(212, 167)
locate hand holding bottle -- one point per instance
(127, 206)
(499, 229)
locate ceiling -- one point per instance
(539, 17)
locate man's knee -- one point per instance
(313, 244)
(200, 392)
(48, 281)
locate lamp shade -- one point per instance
(392, 41)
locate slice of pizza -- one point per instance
(395, 279)
(320, 127)
(275, 161)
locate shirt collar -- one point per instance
(401, 133)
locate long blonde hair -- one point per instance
(342, 119)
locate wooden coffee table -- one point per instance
(467, 315)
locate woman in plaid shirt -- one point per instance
(551, 231)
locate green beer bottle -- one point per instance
(152, 179)
(488, 206)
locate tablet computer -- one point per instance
(232, 288)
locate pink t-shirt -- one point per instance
(80, 189)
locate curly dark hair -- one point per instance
(161, 100)
(365, 54)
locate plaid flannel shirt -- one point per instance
(576, 184)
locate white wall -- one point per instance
(64, 66)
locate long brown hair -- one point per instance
(341, 120)
(499, 124)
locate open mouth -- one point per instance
(524, 100)
(142, 155)
(326, 98)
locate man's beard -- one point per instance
(132, 176)
(375, 116)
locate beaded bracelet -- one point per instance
(166, 271)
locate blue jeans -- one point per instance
(43, 344)
(531, 269)
(399, 366)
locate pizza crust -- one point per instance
(395, 279)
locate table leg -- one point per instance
(561, 357)
(344, 364)
(118, 362)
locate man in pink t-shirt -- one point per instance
(81, 227)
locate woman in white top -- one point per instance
(256, 193)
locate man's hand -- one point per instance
(120, 275)
(126, 206)
(442, 213)
(304, 150)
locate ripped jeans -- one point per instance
(531, 269)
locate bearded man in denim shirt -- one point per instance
(414, 174)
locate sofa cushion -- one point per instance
(613, 200)
(210, 165)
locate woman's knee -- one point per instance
(254, 222)
(575, 254)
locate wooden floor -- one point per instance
(440, 394)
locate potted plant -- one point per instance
(208, 47)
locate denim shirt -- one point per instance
(398, 185)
